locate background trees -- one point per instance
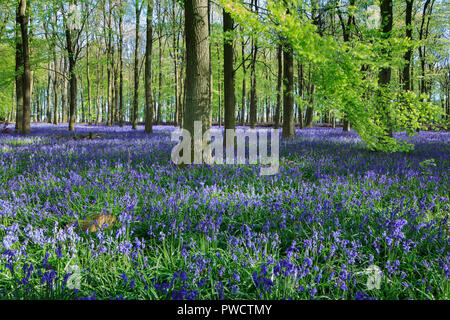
(91, 73)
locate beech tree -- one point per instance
(197, 82)
(228, 72)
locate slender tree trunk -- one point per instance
(300, 93)
(244, 71)
(36, 115)
(288, 92)
(211, 80)
(161, 20)
(121, 106)
(64, 93)
(253, 94)
(346, 30)
(83, 110)
(384, 77)
(88, 78)
(310, 109)
(182, 97)
(175, 63)
(13, 102)
(97, 115)
(55, 95)
(422, 49)
(55, 100)
(279, 82)
(72, 79)
(72, 94)
(136, 69)
(148, 71)
(228, 73)
(109, 66)
(27, 76)
(219, 87)
(116, 93)
(49, 82)
(19, 80)
(407, 85)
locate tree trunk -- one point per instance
(197, 65)
(115, 89)
(228, 73)
(97, 113)
(88, 78)
(121, 65)
(300, 93)
(288, 92)
(384, 77)
(279, 82)
(27, 76)
(19, 78)
(49, 82)
(244, 70)
(407, 85)
(175, 63)
(182, 97)
(72, 94)
(219, 87)
(13, 102)
(161, 20)
(346, 30)
(64, 91)
(72, 79)
(422, 49)
(55, 99)
(136, 69)
(109, 65)
(346, 124)
(310, 109)
(148, 71)
(253, 94)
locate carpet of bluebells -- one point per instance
(334, 211)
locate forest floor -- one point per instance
(108, 215)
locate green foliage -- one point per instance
(373, 110)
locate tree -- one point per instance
(26, 79)
(121, 102)
(228, 72)
(88, 77)
(346, 32)
(384, 76)
(197, 82)
(19, 74)
(136, 68)
(423, 33)
(244, 76)
(288, 92)
(73, 31)
(407, 84)
(253, 93)
(279, 82)
(148, 71)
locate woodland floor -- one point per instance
(224, 232)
